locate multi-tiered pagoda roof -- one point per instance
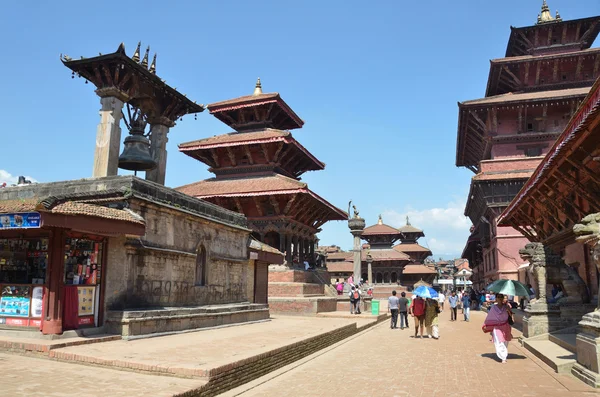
(258, 166)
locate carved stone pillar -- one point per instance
(108, 136)
(587, 367)
(158, 150)
(357, 226)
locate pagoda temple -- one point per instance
(257, 171)
(409, 245)
(531, 94)
(387, 263)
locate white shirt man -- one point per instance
(441, 300)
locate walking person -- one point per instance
(496, 322)
(393, 303)
(431, 318)
(354, 295)
(466, 303)
(417, 310)
(441, 300)
(453, 301)
(403, 305)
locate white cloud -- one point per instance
(10, 179)
(446, 229)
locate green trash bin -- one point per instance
(375, 307)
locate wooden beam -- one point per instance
(265, 150)
(555, 70)
(279, 154)
(576, 212)
(526, 78)
(550, 200)
(545, 214)
(589, 173)
(578, 31)
(238, 205)
(231, 156)
(538, 69)
(596, 65)
(514, 77)
(577, 187)
(275, 204)
(288, 206)
(579, 66)
(215, 157)
(589, 31)
(107, 75)
(258, 206)
(249, 154)
(99, 83)
(525, 39)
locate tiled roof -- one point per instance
(71, 208)
(378, 229)
(75, 208)
(417, 269)
(411, 247)
(242, 137)
(528, 96)
(244, 99)
(339, 255)
(245, 186)
(259, 246)
(340, 267)
(502, 176)
(389, 254)
(410, 229)
(12, 206)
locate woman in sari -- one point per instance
(497, 320)
(432, 309)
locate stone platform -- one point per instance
(215, 359)
(143, 322)
(299, 292)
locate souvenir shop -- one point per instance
(51, 276)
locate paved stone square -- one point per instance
(385, 362)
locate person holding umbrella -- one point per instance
(496, 323)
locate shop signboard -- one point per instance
(86, 300)
(15, 301)
(24, 220)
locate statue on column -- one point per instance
(356, 213)
(588, 233)
(549, 268)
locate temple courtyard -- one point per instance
(374, 361)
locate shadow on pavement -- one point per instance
(511, 356)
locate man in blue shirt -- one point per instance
(453, 300)
(466, 303)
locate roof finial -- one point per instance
(153, 66)
(121, 49)
(136, 54)
(407, 221)
(257, 88)
(380, 221)
(545, 16)
(145, 60)
(558, 18)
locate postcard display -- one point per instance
(23, 265)
(83, 262)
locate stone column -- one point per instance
(288, 250)
(281, 242)
(356, 225)
(369, 269)
(311, 251)
(587, 367)
(301, 252)
(158, 150)
(108, 137)
(295, 251)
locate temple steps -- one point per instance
(557, 357)
(566, 341)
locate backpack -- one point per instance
(356, 295)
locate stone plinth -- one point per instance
(541, 318)
(587, 367)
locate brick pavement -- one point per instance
(36, 377)
(387, 362)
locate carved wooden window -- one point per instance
(201, 265)
(533, 151)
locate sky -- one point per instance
(377, 84)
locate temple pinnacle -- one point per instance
(380, 221)
(153, 65)
(136, 54)
(257, 88)
(145, 60)
(545, 15)
(407, 221)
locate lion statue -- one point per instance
(548, 268)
